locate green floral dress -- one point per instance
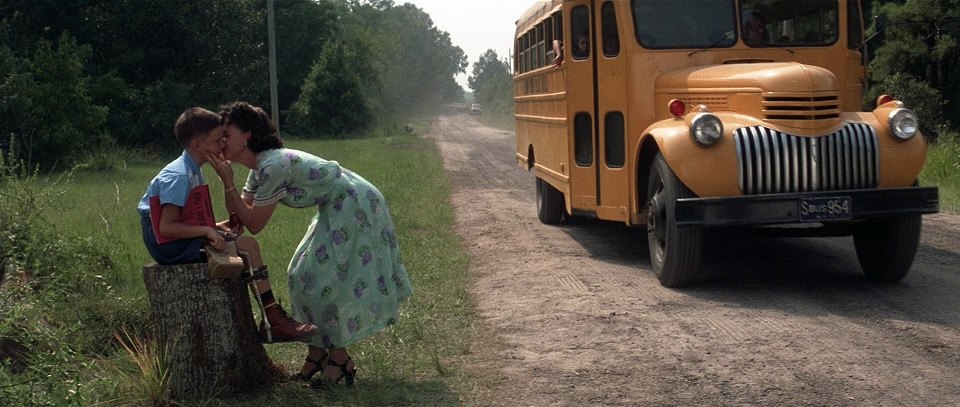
(347, 276)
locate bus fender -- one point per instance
(707, 171)
(667, 137)
(656, 138)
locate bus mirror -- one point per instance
(880, 24)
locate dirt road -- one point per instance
(772, 322)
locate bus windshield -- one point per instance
(713, 23)
(684, 24)
(788, 22)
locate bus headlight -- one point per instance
(903, 124)
(706, 129)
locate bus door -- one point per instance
(579, 64)
(611, 106)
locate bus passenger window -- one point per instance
(611, 38)
(548, 39)
(538, 46)
(613, 140)
(580, 22)
(583, 139)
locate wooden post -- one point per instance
(209, 324)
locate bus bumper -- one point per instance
(823, 207)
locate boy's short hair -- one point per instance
(193, 122)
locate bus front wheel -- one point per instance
(550, 205)
(674, 251)
(886, 247)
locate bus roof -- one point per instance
(538, 11)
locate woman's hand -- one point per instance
(222, 167)
(231, 225)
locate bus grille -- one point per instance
(772, 162)
(782, 107)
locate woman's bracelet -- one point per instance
(233, 188)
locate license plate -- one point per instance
(822, 209)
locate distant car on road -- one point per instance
(475, 109)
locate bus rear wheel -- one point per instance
(675, 252)
(886, 247)
(550, 205)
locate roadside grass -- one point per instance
(424, 359)
(943, 169)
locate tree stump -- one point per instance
(208, 324)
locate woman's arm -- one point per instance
(254, 218)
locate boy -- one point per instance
(200, 132)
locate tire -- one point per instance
(675, 252)
(550, 205)
(886, 247)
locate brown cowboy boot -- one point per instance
(282, 327)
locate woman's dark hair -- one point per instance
(263, 133)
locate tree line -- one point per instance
(81, 75)
(914, 56)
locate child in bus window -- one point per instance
(755, 28)
(611, 44)
(558, 52)
(581, 47)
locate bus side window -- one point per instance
(611, 38)
(538, 48)
(580, 27)
(548, 40)
(613, 140)
(583, 139)
(521, 54)
(558, 25)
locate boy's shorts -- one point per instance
(180, 251)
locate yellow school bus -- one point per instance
(684, 116)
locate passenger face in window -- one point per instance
(611, 45)
(582, 46)
(755, 29)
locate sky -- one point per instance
(475, 25)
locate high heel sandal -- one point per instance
(345, 373)
(318, 365)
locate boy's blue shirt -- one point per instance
(173, 183)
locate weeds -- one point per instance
(111, 157)
(57, 307)
(943, 169)
(152, 381)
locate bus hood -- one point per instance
(787, 77)
(798, 98)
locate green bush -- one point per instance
(331, 101)
(921, 98)
(45, 101)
